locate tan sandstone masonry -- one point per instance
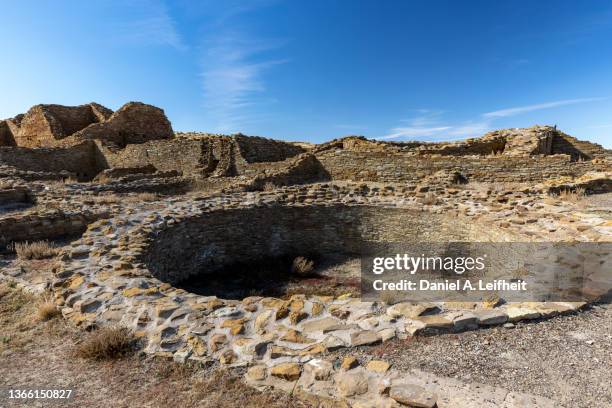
(104, 279)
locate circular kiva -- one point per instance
(122, 270)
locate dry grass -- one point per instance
(269, 186)
(142, 198)
(390, 297)
(35, 250)
(47, 347)
(107, 343)
(70, 180)
(106, 199)
(102, 178)
(222, 389)
(47, 311)
(302, 266)
(16, 318)
(572, 195)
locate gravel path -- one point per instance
(567, 358)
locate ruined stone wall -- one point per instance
(259, 149)
(44, 125)
(577, 149)
(6, 136)
(299, 170)
(221, 238)
(44, 227)
(79, 159)
(191, 157)
(134, 122)
(403, 167)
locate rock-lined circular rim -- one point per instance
(104, 282)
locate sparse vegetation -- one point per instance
(390, 297)
(302, 266)
(572, 195)
(70, 180)
(35, 250)
(130, 381)
(107, 199)
(47, 311)
(269, 186)
(107, 343)
(142, 197)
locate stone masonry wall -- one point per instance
(79, 159)
(6, 136)
(258, 149)
(403, 167)
(41, 227)
(219, 238)
(45, 125)
(190, 157)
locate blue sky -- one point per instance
(320, 69)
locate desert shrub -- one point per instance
(47, 311)
(269, 186)
(107, 343)
(390, 297)
(35, 250)
(302, 266)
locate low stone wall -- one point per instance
(405, 167)
(15, 195)
(190, 157)
(79, 159)
(259, 149)
(36, 227)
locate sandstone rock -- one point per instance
(287, 371)
(297, 316)
(262, 320)
(364, 337)
(217, 341)
(351, 383)
(411, 310)
(435, 322)
(413, 395)
(256, 373)
(491, 317)
(295, 336)
(349, 363)
(378, 366)
(517, 313)
(320, 325)
(320, 370)
(227, 357)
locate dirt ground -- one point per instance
(567, 358)
(40, 355)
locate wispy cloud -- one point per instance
(233, 78)
(428, 124)
(530, 108)
(152, 24)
